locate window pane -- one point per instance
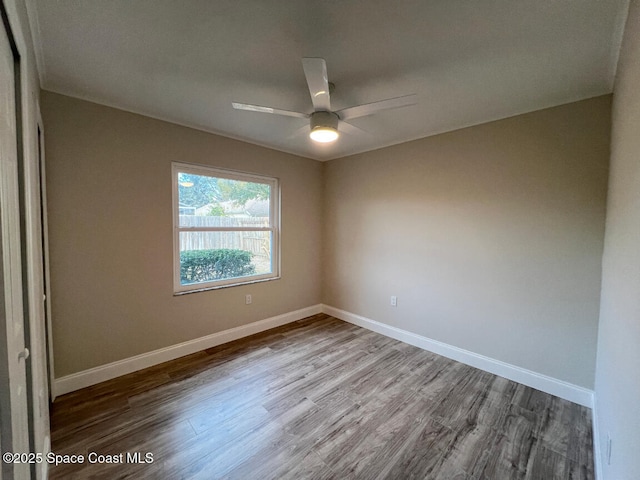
(212, 201)
(226, 226)
(209, 256)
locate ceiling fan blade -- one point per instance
(315, 69)
(352, 129)
(300, 131)
(370, 108)
(277, 111)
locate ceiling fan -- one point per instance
(326, 124)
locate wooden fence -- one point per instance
(257, 243)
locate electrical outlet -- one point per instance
(609, 445)
(394, 301)
(247, 299)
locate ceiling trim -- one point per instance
(473, 124)
(358, 152)
(175, 122)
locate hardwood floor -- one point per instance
(321, 399)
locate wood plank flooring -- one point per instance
(321, 399)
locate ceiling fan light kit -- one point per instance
(324, 134)
(323, 121)
(324, 127)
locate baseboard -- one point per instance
(559, 388)
(597, 447)
(562, 389)
(76, 381)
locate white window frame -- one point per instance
(274, 227)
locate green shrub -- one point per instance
(208, 265)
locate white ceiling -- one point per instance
(469, 61)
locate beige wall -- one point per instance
(490, 236)
(618, 365)
(109, 194)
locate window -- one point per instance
(226, 228)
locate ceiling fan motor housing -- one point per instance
(324, 120)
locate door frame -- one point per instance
(16, 414)
(44, 224)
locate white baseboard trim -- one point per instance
(76, 381)
(559, 388)
(597, 447)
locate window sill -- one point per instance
(218, 287)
